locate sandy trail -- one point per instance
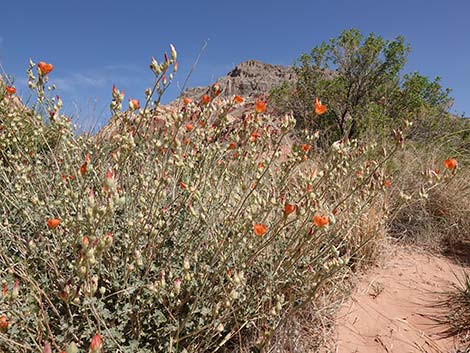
(390, 309)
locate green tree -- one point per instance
(358, 78)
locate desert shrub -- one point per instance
(359, 78)
(188, 231)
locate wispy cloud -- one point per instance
(77, 81)
(1, 41)
(124, 67)
(103, 77)
(89, 80)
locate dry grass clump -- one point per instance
(429, 203)
(456, 312)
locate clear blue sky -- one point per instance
(94, 44)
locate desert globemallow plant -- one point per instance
(159, 237)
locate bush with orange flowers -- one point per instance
(141, 233)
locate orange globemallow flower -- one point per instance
(260, 229)
(321, 221)
(3, 323)
(53, 223)
(134, 104)
(189, 127)
(305, 147)
(45, 68)
(187, 100)
(205, 99)
(238, 99)
(232, 146)
(183, 185)
(11, 90)
(319, 108)
(254, 136)
(83, 169)
(288, 209)
(387, 183)
(450, 163)
(260, 106)
(96, 345)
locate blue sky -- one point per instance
(94, 44)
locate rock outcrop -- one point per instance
(249, 78)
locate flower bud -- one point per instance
(186, 264)
(72, 348)
(177, 285)
(134, 104)
(154, 66)
(16, 290)
(96, 345)
(47, 348)
(173, 52)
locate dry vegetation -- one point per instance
(200, 231)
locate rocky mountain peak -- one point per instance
(249, 78)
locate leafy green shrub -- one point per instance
(359, 78)
(193, 230)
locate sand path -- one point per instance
(391, 309)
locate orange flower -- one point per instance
(260, 229)
(450, 163)
(319, 108)
(260, 165)
(238, 99)
(3, 323)
(187, 100)
(254, 136)
(260, 106)
(85, 241)
(134, 104)
(205, 99)
(289, 208)
(183, 185)
(44, 68)
(305, 147)
(53, 223)
(109, 174)
(387, 183)
(232, 146)
(83, 168)
(321, 221)
(11, 90)
(216, 89)
(189, 127)
(96, 345)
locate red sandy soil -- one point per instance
(391, 309)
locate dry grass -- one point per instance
(424, 212)
(456, 305)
